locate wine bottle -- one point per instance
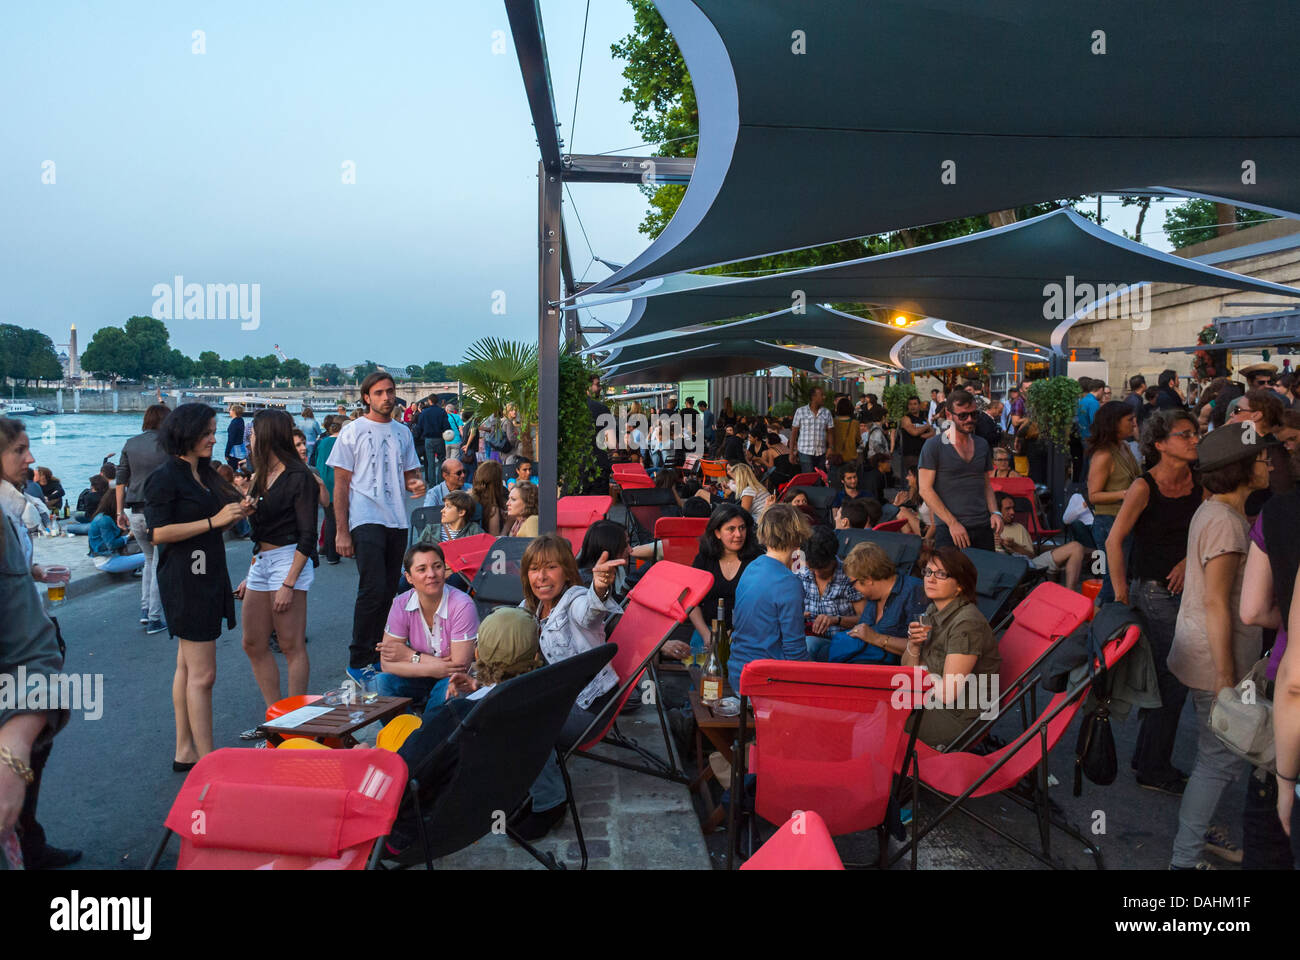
(722, 635)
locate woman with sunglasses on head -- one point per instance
(956, 645)
(274, 593)
(1157, 510)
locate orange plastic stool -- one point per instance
(1091, 589)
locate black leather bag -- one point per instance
(1094, 754)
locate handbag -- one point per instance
(1242, 718)
(1094, 754)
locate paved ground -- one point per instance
(109, 782)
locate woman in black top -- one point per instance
(1158, 510)
(727, 546)
(274, 593)
(51, 488)
(187, 505)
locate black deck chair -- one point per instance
(819, 498)
(497, 581)
(999, 577)
(643, 507)
(422, 518)
(901, 548)
(484, 769)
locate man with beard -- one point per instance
(374, 459)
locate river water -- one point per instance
(73, 445)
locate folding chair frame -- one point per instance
(1040, 805)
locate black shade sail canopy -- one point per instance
(816, 326)
(1029, 281)
(825, 121)
(710, 360)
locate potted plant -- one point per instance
(895, 397)
(1052, 404)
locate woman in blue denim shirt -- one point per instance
(893, 600)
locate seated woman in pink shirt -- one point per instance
(430, 631)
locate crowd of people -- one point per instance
(1194, 512)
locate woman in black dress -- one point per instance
(727, 546)
(187, 505)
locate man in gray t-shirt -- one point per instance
(955, 472)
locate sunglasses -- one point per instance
(933, 573)
(969, 415)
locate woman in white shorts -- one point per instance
(274, 593)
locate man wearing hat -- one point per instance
(1257, 377)
(1212, 647)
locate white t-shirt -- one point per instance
(759, 502)
(378, 455)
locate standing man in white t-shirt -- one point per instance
(374, 461)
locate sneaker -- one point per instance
(358, 675)
(1217, 843)
(156, 626)
(144, 615)
(1200, 865)
(253, 733)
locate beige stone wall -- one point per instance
(1179, 312)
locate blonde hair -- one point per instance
(783, 527)
(744, 477)
(867, 561)
(237, 409)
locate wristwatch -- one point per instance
(415, 658)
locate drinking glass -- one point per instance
(370, 689)
(350, 700)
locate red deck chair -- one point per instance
(803, 843)
(632, 476)
(961, 775)
(814, 479)
(466, 555)
(680, 537)
(1022, 488)
(573, 515)
(285, 809)
(891, 526)
(657, 604)
(827, 735)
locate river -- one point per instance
(73, 445)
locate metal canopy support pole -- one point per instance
(550, 236)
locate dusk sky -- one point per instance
(227, 166)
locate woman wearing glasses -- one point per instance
(955, 643)
(1157, 510)
(1002, 463)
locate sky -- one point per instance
(227, 166)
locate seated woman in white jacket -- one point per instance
(572, 620)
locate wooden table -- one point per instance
(721, 733)
(337, 723)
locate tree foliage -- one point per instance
(27, 354)
(1198, 220)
